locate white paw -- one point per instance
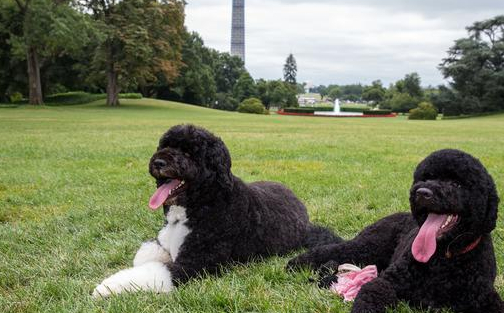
(151, 251)
(152, 276)
(105, 290)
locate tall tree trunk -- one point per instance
(34, 84)
(112, 87)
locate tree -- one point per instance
(322, 90)
(142, 42)
(245, 87)
(12, 70)
(403, 102)
(264, 92)
(411, 85)
(447, 101)
(475, 66)
(227, 69)
(374, 93)
(300, 88)
(290, 70)
(195, 83)
(334, 93)
(276, 92)
(47, 28)
(224, 101)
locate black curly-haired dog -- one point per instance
(441, 255)
(212, 217)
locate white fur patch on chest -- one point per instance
(173, 234)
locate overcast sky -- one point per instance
(343, 41)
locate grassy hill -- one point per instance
(74, 188)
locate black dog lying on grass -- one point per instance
(213, 217)
(441, 255)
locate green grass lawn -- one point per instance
(74, 188)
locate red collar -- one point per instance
(468, 248)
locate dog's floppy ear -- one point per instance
(492, 205)
(218, 158)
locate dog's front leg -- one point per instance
(151, 276)
(493, 304)
(382, 292)
(375, 297)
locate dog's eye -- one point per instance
(187, 154)
(456, 185)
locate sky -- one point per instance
(343, 41)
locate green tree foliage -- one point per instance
(12, 70)
(424, 111)
(245, 87)
(276, 93)
(374, 93)
(142, 42)
(446, 100)
(196, 82)
(207, 77)
(228, 70)
(252, 105)
(411, 85)
(401, 102)
(290, 70)
(334, 93)
(352, 92)
(404, 95)
(475, 66)
(322, 90)
(300, 88)
(224, 101)
(41, 30)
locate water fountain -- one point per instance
(337, 111)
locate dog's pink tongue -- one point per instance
(424, 245)
(162, 193)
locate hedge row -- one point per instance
(350, 109)
(71, 98)
(79, 97)
(323, 109)
(377, 112)
(299, 110)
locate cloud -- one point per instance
(340, 41)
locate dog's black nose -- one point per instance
(425, 193)
(159, 163)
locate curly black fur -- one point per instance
(452, 278)
(230, 221)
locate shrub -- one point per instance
(130, 96)
(377, 112)
(252, 105)
(81, 97)
(425, 111)
(16, 97)
(56, 88)
(74, 97)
